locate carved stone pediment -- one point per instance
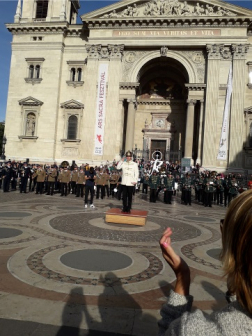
(135, 9)
(72, 104)
(30, 101)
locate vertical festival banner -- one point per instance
(100, 109)
(223, 146)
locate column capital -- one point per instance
(202, 101)
(191, 102)
(116, 51)
(213, 51)
(239, 51)
(132, 101)
(111, 51)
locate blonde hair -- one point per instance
(237, 248)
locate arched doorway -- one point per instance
(161, 108)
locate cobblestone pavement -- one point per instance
(41, 294)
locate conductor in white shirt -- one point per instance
(129, 180)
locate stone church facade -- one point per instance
(145, 75)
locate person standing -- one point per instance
(129, 179)
(168, 188)
(74, 177)
(80, 183)
(40, 175)
(90, 176)
(154, 183)
(64, 179)
(7, 176)
(52, 174)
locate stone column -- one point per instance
(236, 129)
(189, 128)
(209, 154)
(130, 129)
(201, 122)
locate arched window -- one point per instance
(72, 127)
(31, 71)
(73, 74)
(37, 71)
(79, 74)
(30, 124)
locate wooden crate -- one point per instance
(135, 217)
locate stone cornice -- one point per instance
(159, 102)
(128, 85)
(72, 104)
(38, 27)
(70, 140)
(185, 22)
(30, 101)
(195, 87)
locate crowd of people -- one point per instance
(105, 180)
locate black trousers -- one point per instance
(23, 184)
(40, 187)
(186, 196)
(64, 187)
(79, 190)
(50, 188)
(87, 190)
(127, 192)
(153, 195)
(112, 187)
(168, 196)
(6, 184)
(73, 186)
(100, 188)
(219, 197)
(145, 188)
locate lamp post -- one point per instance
(3, 148)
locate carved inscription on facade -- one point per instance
(168, 33)
(70, 152)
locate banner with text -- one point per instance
(223, 146)
(100, 109)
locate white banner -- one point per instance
(100, 109)
(223, 146)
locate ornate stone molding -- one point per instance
(225, 52)
(30, 101)
(214, 51)
(116, 51)
(159, 8)
(191, 102)
(248, 110)
(128, 85)
(163, 51)
(132, 101)
(72, 104)
(239, 51)
(33, 80)
(75, 84)
(195, 87)
(112, 51)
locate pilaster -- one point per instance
(239, 52)
(130, 130)
(189, 128)
(201, 129)
(211, 106)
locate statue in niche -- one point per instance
(30, 124)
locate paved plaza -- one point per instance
(65, 271)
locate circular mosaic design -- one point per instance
(214, 253)
(9, 233)
(78, 224)
(201, 219)
(15, 214)
(96, 260)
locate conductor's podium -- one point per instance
(135, 217)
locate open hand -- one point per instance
(178, 265)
